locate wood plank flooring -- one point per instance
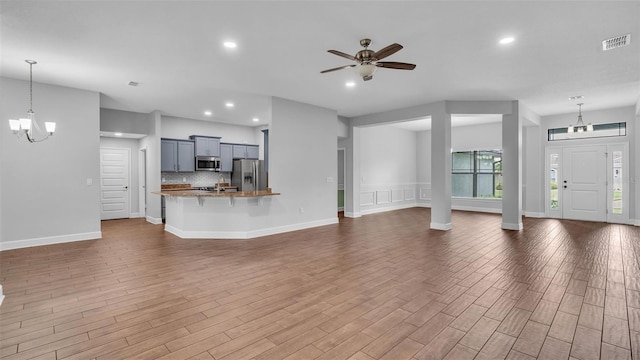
(383, 286)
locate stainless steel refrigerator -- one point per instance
(249, 175)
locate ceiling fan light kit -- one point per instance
(368, 60)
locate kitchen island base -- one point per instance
(192, 217)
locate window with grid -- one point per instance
(476, 174)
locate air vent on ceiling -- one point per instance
(134, 83)
(616, 42)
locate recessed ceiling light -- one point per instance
(117, 134)
(208, 113)
(256, 119)
(350, 84)
(576, 97)
(507, 40)
(229, 105)
(230, 45)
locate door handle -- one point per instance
(125, 187)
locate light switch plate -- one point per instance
(89, 181)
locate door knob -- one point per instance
(126, 187)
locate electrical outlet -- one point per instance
(329, 179)
(184, 179)
(89, 181)
(301, 210)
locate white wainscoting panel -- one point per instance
(382, 197)
(425, 193)
(367, 198)
(397, 195)
(409, 194)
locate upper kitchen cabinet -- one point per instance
(226, 157)
(246, 152)
(177, 156)
(206, 145)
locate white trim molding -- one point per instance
(49, 240)
(388, 208)
(155, 221)
(1, 295)
(438, 226)
(534, 214)
(510, 226)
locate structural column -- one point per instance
(440, 169)
(352, 176)
(512, 169)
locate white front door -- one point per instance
(114, 184)
(587, 183)
(584, 183)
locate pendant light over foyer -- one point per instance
(579, 126)
(28, 126)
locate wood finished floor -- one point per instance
(380, 287)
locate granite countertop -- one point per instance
(189, 192)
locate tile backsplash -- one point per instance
(196, 179)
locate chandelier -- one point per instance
(28, 126)
(579, 126)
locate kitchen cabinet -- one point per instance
(206, 145)
(246, 151)
(226, 157)
(177, 155)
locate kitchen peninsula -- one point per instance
(195, 213)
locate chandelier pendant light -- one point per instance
(579, 126)
(28, 126)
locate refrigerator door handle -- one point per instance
(256, 180)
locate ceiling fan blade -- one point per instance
(338, 68)
(340, 53)
(395, 65)
(389, 50)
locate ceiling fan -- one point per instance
(368, 60)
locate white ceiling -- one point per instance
(174, 48)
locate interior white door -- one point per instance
(114, 184)
(584, 183)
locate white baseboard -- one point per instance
(50, 240)
(206, 234)
(352, 214)
(533, 214)
(1, 295)
(438, 226)
(510, 226)
(637, 223)
(476, 209)
(387, 208)
(134, 215)
(155, 221)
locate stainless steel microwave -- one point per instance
(207, 163)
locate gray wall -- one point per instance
(123, 121)
(45, 196)
(302, 156)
